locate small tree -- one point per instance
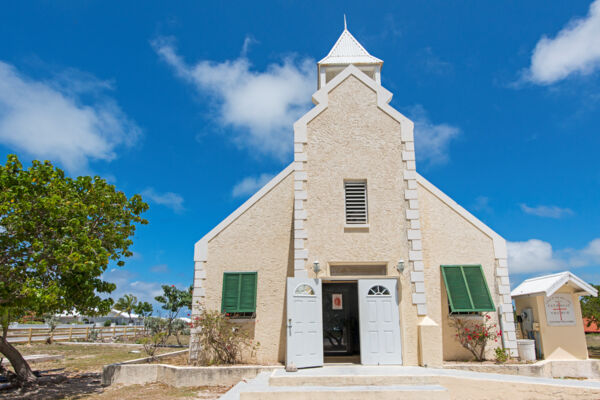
(178, 328)
(127, 304)
(474, 335)
(173, 301)
(590, 308)
(52, 323)
(58, 236)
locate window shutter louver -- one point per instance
(458, 296)
(356, 202)
(239, 292)
(467, 288)
(230, 296)
(248, 293)
(480, 294)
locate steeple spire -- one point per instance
(347, 50)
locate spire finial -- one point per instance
(345, 26)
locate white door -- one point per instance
(379, 322)
(304, 323)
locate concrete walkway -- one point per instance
(360, 382)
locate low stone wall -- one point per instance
(139, 374)
(589, 369)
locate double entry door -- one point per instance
(379, 322)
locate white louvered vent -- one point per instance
(356, 202)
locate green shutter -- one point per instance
(467, 288)
(458, 294)
(231, 292)
(239, 292)
(480, 294)
(248, 293)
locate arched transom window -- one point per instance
(378, 290)
(304, 290)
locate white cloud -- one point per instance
(261, 106)
(128, 284)
(575, 49)
(532, 256)
(431, 140)
(547, 211)
(250, 185)
(535, 255)
(160, 269)
(167, 199)
(49, 120)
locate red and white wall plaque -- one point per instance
(559, 310)
(336, 301)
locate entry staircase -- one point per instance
(397, 382)
(343, 383)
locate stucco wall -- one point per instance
(259, 240)
(354, 139)
(449, 239)
(558, 342)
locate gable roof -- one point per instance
(549, 284)
(347, 50)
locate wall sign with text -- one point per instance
(559, 310)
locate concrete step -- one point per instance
(370, 392)
(352, 380)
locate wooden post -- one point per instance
(115, 330)
(87, 332)
(70, 333)
(29, 339)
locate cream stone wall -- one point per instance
(258, 240)
(450, 239)
(557, 342)
(354, 139)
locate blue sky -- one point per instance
(191, 104)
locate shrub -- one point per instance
(474, 335)
(93, 334)
(220, 341)
(107, 322)
(153, 325)
(152, 342)
(502, 355)
(52, 323)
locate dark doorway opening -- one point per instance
(340, 319)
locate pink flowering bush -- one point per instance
(474, 335)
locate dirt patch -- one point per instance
(57, 385)
(78, 375)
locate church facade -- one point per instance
(349, 253)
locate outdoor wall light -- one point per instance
(316, 267)
(400, 266)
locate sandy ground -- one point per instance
(78, 376)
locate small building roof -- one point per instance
(347, 50)
(549, 284)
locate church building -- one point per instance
(349, 253)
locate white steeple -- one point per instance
(347, 50)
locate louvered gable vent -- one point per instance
(356, 202)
